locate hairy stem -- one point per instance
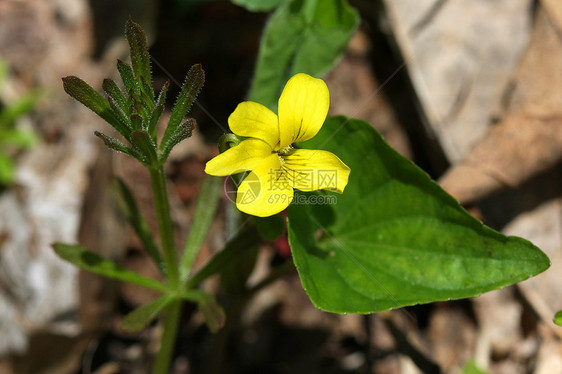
(171, 322)
(172, 311)
(165, 227)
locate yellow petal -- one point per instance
(254, 120)
(310, 170)
(243, 157)
(303, 107)
(265, 191)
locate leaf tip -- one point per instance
(131, 25)
(68, 81)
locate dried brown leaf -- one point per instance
(517, 148)
(529, 139)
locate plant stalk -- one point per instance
(162, 206)
(171, 322)
(172, 311)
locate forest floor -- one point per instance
(472, 93)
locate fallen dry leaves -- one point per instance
(529, 139)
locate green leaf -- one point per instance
(182, 132)
(136, 121)
(190, 89)
(128, 77)
(394, 238)
(113, 91)
(16, 137)
(17, 109)
(119, 113)
(116, 145)
(301, 37)
(138, 106)
(139, 318)
(258, 5)
(205, 209)
(94, 263)
(158, 109)
(7, 169)
(153, 120)
(126, 201)
(162, 95)
(558, 318)
(89, 97)
(145, 145)
(140, 58)
(146, 105)
(211, 310)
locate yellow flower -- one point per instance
(276, 167)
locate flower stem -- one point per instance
(165, 227)
(171, 321)
(228, 140)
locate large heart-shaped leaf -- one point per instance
(394, 237)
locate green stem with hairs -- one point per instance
(171, 321)
(162, 206)
(172, 311)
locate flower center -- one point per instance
(286, 151)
